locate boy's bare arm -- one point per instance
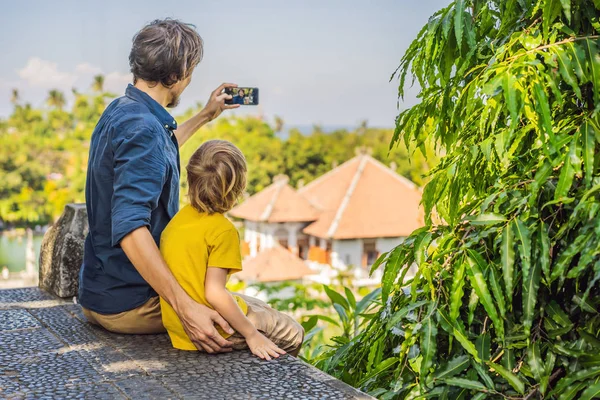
(222, 301)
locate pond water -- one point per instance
(13, 251)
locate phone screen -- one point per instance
(245, 96)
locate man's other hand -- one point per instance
(216, 102)
(199, 324)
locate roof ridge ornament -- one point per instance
(363, 151)
(281, 178)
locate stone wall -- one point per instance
(61, 254)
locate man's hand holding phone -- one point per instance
(217, 102)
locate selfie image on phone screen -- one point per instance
(245, 96)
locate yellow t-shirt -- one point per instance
(189, 244)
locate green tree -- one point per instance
(98, 84)
(362, 127)
(43, 157)
(279, 123)
(254, 137)
(305, 157)
(44, 153)
(505, 300)
(14, 98)
(56, 99)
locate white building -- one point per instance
(345, 219)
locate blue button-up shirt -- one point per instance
(132, 182)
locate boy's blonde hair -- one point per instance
(216, 176)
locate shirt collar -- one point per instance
(159, 111)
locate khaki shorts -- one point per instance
(280, 328)
(146, 319)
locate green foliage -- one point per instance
(348, 319)
(292, 296)
(302, 157)
(56, 99)
(43, 157)
(329, 314)
(504, 301)
(43, 153)
(254, 137)
(307, 157)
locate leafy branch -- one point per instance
(498, 296)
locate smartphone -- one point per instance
(246, 96)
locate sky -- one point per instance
(324, 62)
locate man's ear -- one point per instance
(173, 77)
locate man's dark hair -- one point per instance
(165, 51)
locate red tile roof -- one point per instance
(278, 202)
(273, 265)
(363, 198)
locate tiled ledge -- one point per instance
(47, 350)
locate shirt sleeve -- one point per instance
(225, 251)
(140, 172)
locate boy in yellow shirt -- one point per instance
(202, 248)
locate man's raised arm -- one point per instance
(214, 108)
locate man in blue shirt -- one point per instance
(132, 192)
(239, 97)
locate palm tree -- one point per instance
(14, 98)
(98, 84)
(278, 124)
(362, 128)
(56, 99)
